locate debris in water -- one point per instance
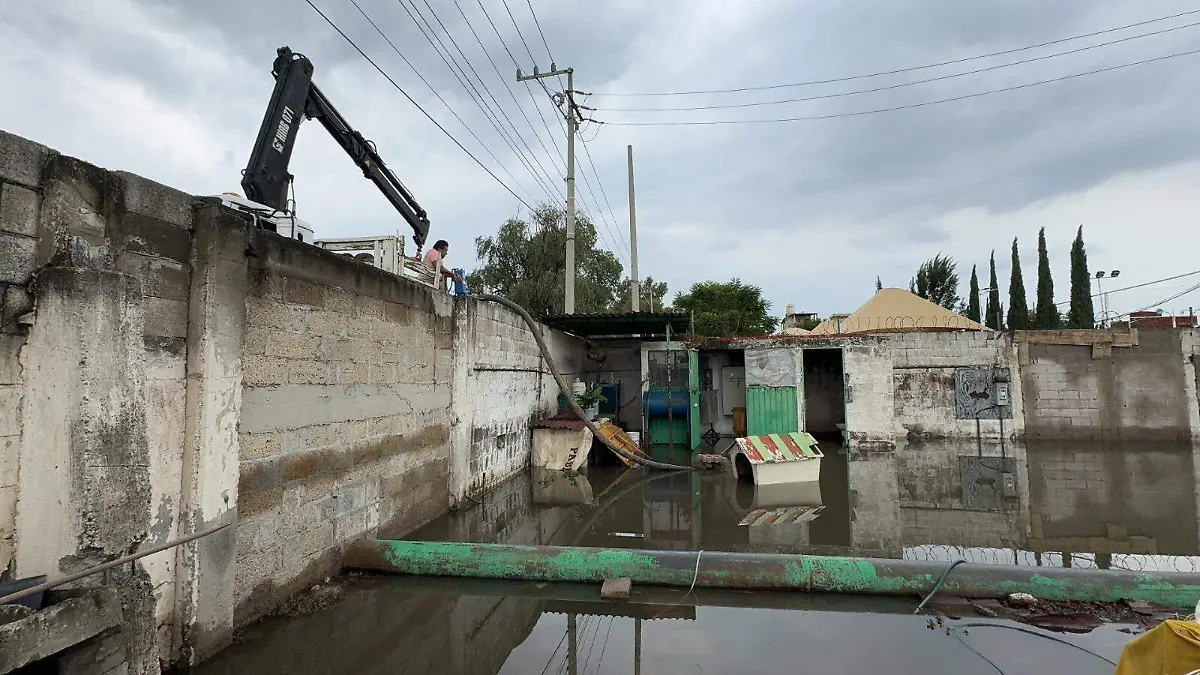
(1066, 623)
(1021, 600)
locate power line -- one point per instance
(460, 74)
(905, 107)
(516, 63)
(439, 97)
(519, 34)
(539, 30)
(897, 71)
(1161, 302)
(504, 80)
(1142, 285)
(902, 85)
(417, 105)
(596, 173)
(499, 107)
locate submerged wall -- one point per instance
(165, 368)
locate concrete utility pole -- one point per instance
(635, 290)
(570, 111)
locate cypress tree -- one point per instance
(973, 299)
(995, 319)
(1081, 314)
(1046, 315)
(1018, 306)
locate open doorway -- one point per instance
(824, 394)
(722, 398)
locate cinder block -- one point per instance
(19, 210)
(166, 318)
(286, 345)
(21, 160)
(303, 292)
(258, 446)
(168, 279)
(10, 363)
(148, 198)
(18, 258)
(263, 371)
(309, 372)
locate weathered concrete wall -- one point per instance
(166, 369)
(1142, 392)
(925, 385)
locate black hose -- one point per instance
(562, 385)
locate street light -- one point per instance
(1104, 298)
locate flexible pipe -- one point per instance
(562, 385)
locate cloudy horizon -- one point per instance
(811, 211)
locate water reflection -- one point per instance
(391, 624)
(1129, 506)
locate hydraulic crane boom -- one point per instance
(266, 178)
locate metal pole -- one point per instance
(570, 103)
(572, 647)
(634, 282)
(637, 646)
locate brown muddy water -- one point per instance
(1086, 505)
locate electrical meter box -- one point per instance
(1001, 393)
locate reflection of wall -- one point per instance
(1113, 499)
(933, 501)
(876, 524)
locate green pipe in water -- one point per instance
(768, 571)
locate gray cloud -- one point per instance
(879, 186)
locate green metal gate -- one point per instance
(771, 410)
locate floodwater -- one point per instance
(1083, 505)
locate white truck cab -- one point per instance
(285, 223)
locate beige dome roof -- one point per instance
(894, 310)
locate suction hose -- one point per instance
(562, 384)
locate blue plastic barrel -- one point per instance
(654, 402)
(460, 284)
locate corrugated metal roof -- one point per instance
(613, 325)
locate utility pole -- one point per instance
(634, 284)
(567, 101)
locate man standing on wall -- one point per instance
(437, 254)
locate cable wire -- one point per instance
(440, 98)
(1142, 285)
(519, 34)
(499, 107)
(464, 80)
(415, 104)
(922, 104)
(901, 85)
(539, 30)
(507, 87)
(914, 68)
(596, 174)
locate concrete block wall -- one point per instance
(345, 415)
(870, 395)
(95, 278)
(924, 384)
(1143, 392)
(166, 369)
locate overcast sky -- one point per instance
(810, 210)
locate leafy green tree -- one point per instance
(1081, 314)
(1018, 304)
(972, 310)
(526, 263)
(1045, 315)
(937, 281)
(727, 309)
(995, 315)
(653, 295)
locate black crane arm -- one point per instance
(266, 178)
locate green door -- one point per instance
(771, 410)
(694, 398)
